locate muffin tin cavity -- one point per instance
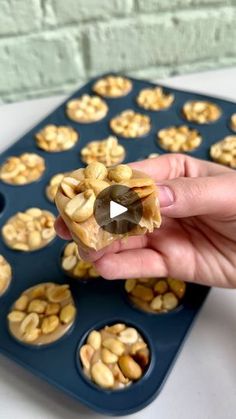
(131, 124)
(73, 266)
(224, 151)
(155, 295)
(107, 151)
(22, 169)
(115, 356)
(29, 230)
(155, 99)
(100, 302)
(201, 112)
(5, 275)
(86, 109)
(54, 138)
(42, 314)
(179, 139)
(112, 86)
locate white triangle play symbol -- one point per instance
(116, 209)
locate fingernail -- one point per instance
(165, 195)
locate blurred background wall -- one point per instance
(51, 46)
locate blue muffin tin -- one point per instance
(99, 302)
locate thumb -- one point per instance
(186, 197)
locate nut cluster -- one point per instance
(155, 99)
(26, 168)
(179, 139)
(107, 151)
(53, 138)
(154, 294)
(42, 314)
(233, 122)
(86, 109)
(5, 275)
(130, 124)
(112, 86)
(73, 266)
(201, 112)
(29, 230)
(78, 191)
(224, 151)
(51, 189)
(114, 356)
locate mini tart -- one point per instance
(53, 138)
(107, 151)
(73, 266)
(52, 186)
(23, 169)
(179, 139)
(130, 124)
(77, 194)
(30, 230)
(155, 295)
(5, 275)
(224, 151)
(42, 314)
(201, 111)
(154, 99)
(233, 122)
(86, 109)
(112, 86)
(115, 356)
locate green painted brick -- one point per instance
(69, 11)
(149, 6)
(41, 61)
(153, 40)
(19, 16)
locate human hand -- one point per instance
(197, 238)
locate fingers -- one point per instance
(187, 197)
(61, 229)
(170, 166)
(134, 242)
(138, 263)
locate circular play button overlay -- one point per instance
(118, 209)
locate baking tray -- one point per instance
(99, 302)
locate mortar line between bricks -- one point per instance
(44, 30)
(69, 87)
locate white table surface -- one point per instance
(202, 384)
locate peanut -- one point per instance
(129, 367)
(67, 313)
(49, 324)
(129, 335)
(94, 339)
(120, 173)
(95, 170)
(169, 301)
(86, 353)
(108, 357)
(37, 306)
(102, 375)
(114, 345)
(142, 292)
(80, 208)
(16, 316)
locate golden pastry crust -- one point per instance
(115, 356)
(23, 169)
(86, 109)
(179, 139)
(53, 138)
(233, 122)
(201, 111)
(42, 314)
(224, 151)
(154, 99)
(107, 151)
(73, 266)
(77, 194)
(5, 275)
(30, 230)
(155, 295)
(112, 86)
(131, 124)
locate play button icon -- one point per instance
(118, 209)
